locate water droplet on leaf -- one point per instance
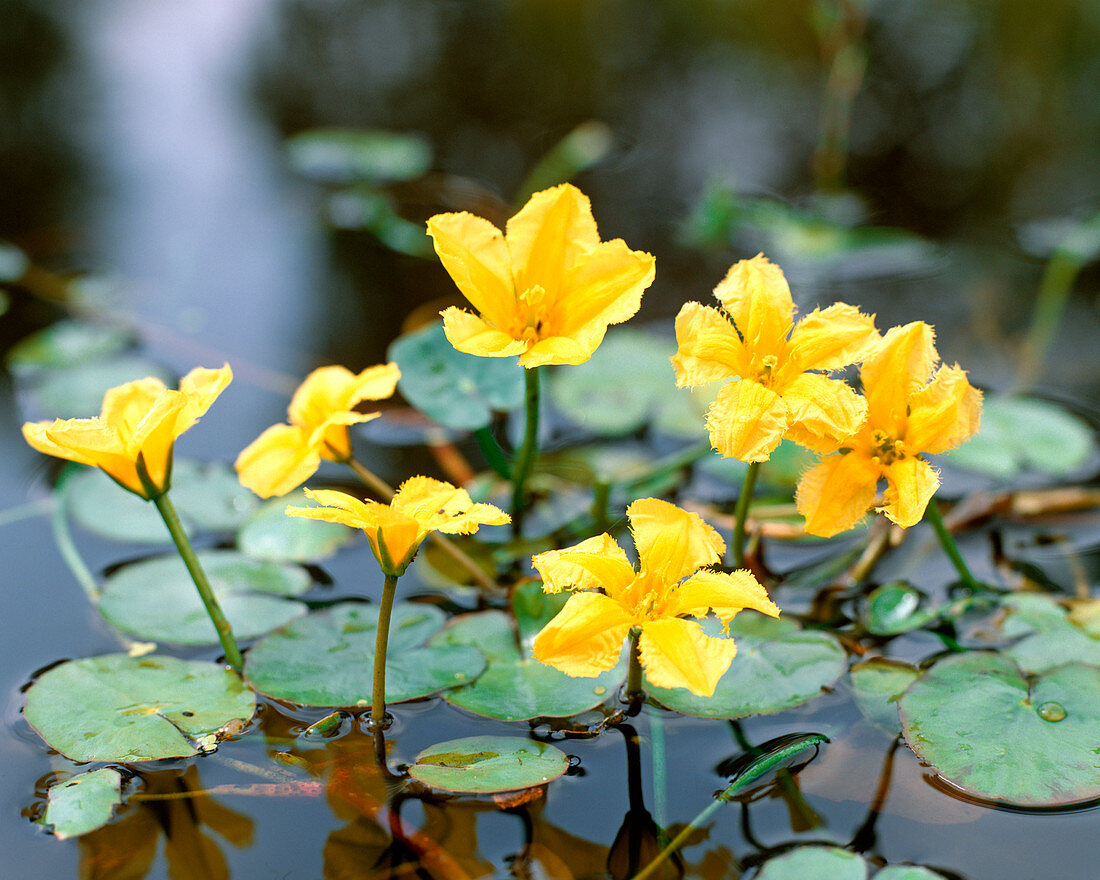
(1051, 712)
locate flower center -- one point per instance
(530, 323)
(765, 372)
(886, 449)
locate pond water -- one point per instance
(145, 146)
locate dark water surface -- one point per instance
(145, 144)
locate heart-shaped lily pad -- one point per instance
(67, 343)
(344, 155)
(487, 764)
(778, 665)
(1047, 637)
(454, 389)
(156, 598)
(272, 535)
(877, 685)
(77, 391)
(895, 608)
(327, 658)
(206, 497)
(992, 732)
(84, 802)
(122, 708)
(818, 862)
(515, 686)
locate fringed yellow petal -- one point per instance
(725, 594)
(374, 383)
(943, 414)
(676, 653)
(832, 338)
(898, 368)
(563, 349)
(597, 563)
(124, 406)
(708, 348)
(672, 542)
(199, 389)
(836, 492)
(586, 637)
(548, 235)
(747, 421)
(910, 485)
(439, 506)
(277, 461)
(86, 441)
(823, 412)
(602, 287)
(476, 256)
(470, 334)
(155, 435)
(756, 295)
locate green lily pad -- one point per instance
(341, 155)
(68, 343)
(206, 497)
(271, 535)
(122, 708)
(13, 262)
(877, 684)
(778, 665)
(156, 598)
(907, 872)
(818, 862)
(77, 391)
(990, 731)
(618, 389)
(488, 764)
(456, 390)
(1047, 637)
(1020, 433)
(366, 208)
(515, 686)
(84, 802)
(895, 608)
(327, 658)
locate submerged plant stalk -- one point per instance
(741, 514)
(526, 456)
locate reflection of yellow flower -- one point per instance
(285, 456)
(547, 289)
(775, 394)
(395, 530)
(140, 421)
(586, 636)
(907, 415)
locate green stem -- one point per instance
(494, 455)
(526, 456)
(63, 537)
(206, 593)
(634, 692)
(741, 514)
(381, 643)
(932, 514)
(601, 492)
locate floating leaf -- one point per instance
(582, 148)
(340, 155)
(371, 210)
(515, 686)
(84, 802)
(907, 872)
(122, 708)
(156, 598)
(818, 862)
(272, 535)
(487, 764)
(895, 608)
(205, 496)
(778, 665)
(616, 391)
(327, 658)
(456, 390)
(77, 391)
(992, 732)
(1046, 636)
(13, 263)
(1020, 433)
(68, 343)
(877, 684)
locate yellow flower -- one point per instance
(139, 422)
(776, 393)
(285, 456)
(910, 412)
(586, 636)
(395, 530)
(547, 289)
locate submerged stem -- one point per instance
(741, 514)
(381, 644)
(526, 457)
(206, 593)
(932, 514)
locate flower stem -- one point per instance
(526, 456)
(932, 514)
(385, 490)
(634, 693)
(748, 486)
(206, 593)
(494, 455)
(381, 642)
